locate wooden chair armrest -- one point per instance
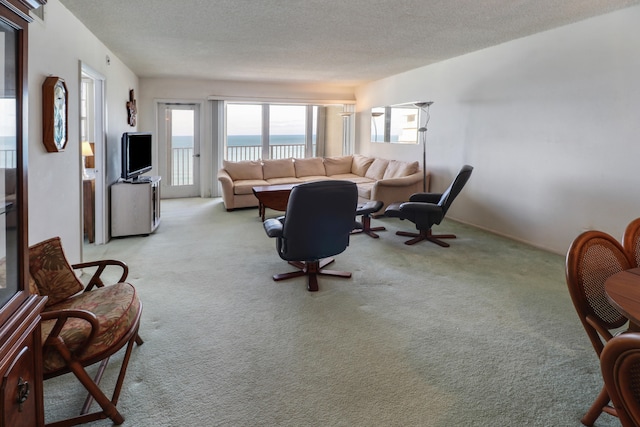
(102, 265)
(61, 317)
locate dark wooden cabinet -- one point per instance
(21, 401)
(21, 367)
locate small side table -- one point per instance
(366, 210)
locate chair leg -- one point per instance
(311, 269)
(109, 409)
(367, 229)
(600, 405)
(426, 235)
(89, 400)
(103, 365)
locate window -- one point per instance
(271, 131)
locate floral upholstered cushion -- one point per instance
(33, 287)
(117, 308)
(52, 272)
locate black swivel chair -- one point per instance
(428, 209)
(319, 218)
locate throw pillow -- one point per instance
(246, 169)
(397, 169)
(377, 168)
(52, 272)
(360, 164)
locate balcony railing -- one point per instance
(182, 158)
(254, 152)
(182, 166)
(7, 159)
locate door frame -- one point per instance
(100, 139)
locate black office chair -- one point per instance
(319, 218)
(428, 209)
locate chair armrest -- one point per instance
(61, 317)
(425, 197)
(102, 265)
(226, 183)
(402, 181)
(273, 227)
(420, 208)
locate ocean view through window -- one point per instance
(270, 131)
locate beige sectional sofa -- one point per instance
(377, 179)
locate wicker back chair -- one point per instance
(620, 363)
(593, 257)
(631, 242)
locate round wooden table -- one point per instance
(623, 291)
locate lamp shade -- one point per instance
(86, 149)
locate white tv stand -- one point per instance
(135, 207)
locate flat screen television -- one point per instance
(136, 155)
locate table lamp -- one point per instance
(86, 152)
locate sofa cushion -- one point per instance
(360, 164)
(284, 180)
(377, 168)
(397, 169)
(364, 190)
(352, 177)
(309, 167)
(245, 186)
(280, 168)
(246, 169)
(338, 165)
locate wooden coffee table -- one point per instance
(273, 197)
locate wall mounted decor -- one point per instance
(131, 109)
(54, 114)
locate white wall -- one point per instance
(56, 47)
(154, 90)
(550, 123)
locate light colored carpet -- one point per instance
(479, 334)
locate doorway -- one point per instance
(93, 132)
(179, 149)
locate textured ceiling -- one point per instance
(343, 42)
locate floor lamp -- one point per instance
(424, 110)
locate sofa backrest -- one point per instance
(246, 169)
(312, 166)
(280, 168)
(370, 167)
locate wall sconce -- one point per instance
(87, 151)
